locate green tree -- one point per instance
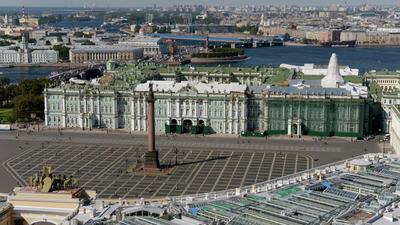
(32, 41)
(88, 42)
(63, 51)
(4, 81)
(78, 34)
(32, 87)
(7, 94)
(5, 43)
(137, 28)
(25, 105)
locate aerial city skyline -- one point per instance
(199, 112)
(136, 3)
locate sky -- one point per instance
(140, 3)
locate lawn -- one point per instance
(5, 114)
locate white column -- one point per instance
(299, 129)
(236, 117)
(177, 108)
(205, 103)
(81, 122)
(195, 109)
(64, 119)
(266, 117)
(243, 116)
(99, 112)
(225, 118)
(169, 108)
(230, 116)
(184, 109)
(46, 109)
(132, 114)
(191, 108)
(289, 127)
(115, 112)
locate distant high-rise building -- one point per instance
(6, 20)
(149, 19)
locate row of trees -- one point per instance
(63, 51)
(250, 29)
(25, 98)
(219, 53)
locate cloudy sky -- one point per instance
(133, 3)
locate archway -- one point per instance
(173, 125)
(295, 129)
(200, 126)
(187, 126)
(43, 223)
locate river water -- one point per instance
(364, 59)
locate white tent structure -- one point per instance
(333, 79)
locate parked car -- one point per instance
(370, 137)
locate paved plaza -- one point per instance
(205, 164)
(103, 168)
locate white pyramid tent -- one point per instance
(333, 78)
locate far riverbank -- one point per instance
(53, 65)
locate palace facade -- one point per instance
(327, 107)
(195, 107)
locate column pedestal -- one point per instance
(151, 161)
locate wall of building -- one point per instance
(25, 57)
(220, 113)
(302, 116)
(100, 56)
(126, 110)
(44, 56)
(6, 217)
(371, 38)
(395, 129)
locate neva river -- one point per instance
(22, 73)
(364, 59)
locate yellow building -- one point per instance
(6, 214)
(387, 80)
(30, 206)
(29, 21)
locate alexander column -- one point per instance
(151, 156)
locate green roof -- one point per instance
(130, 74)
(352, 79)
(383, 73)
(288, 191)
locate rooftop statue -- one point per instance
(46, 181)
